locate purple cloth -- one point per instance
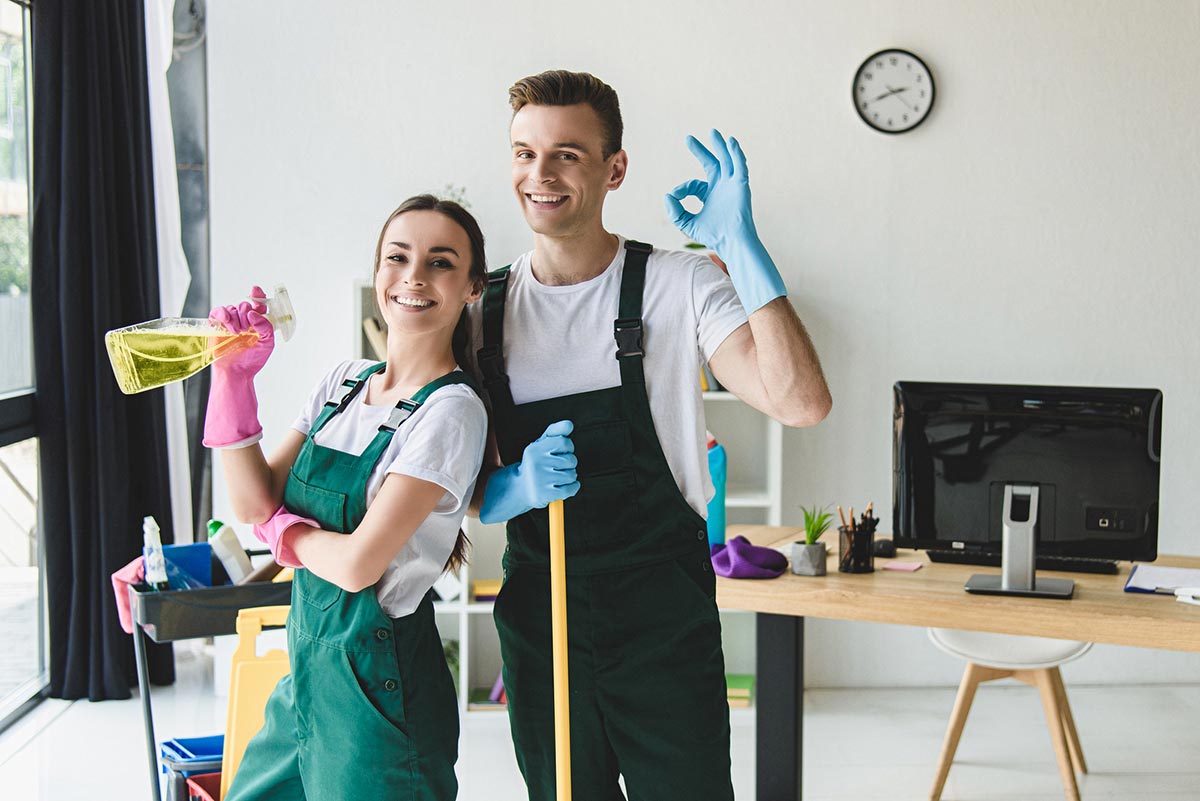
(739, 559)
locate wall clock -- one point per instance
(893, 91)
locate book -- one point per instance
(739, 703)
(479, 699)
(485, 589)
(1165, 580)
(739, 685)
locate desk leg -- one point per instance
(780, 718)
(139, 650)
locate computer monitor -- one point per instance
(1081, 463)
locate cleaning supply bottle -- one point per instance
(716, 506)
(228, 548)
(152, 552)
(169, 349)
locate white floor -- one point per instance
(1141, 743)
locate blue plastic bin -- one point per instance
(188, 756)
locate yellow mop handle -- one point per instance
(558, 629)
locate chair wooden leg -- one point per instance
(1058, 734)
(972, 676)
(1068, 722)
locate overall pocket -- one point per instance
(327, 507)
(315, 591)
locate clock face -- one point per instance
(893, 91)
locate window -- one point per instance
(22, 597)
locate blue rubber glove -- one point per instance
(545, 473)
(726, 223)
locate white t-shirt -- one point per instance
(442, 442)
(558, 340)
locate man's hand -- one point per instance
(726, 222)
(545, 473)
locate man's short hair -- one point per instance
(565, 88)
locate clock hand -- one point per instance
(897, 92)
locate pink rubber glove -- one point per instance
(232, 417)
(272, 532)
(132, 573)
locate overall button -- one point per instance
(702, 534)
(706, 566)
(389, 685)
(383, 634)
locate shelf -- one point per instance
(480, 607)
(753, 499)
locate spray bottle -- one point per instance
(152, 552)
(169, 349)
(716, 507)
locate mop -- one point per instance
(558, 629)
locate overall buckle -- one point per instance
(350, 387)
(628, 333)
(400, 413)
(491, 364)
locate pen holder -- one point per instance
(855, 550)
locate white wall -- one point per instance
(1040, 227)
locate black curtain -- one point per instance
(103, 454)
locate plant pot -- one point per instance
(808, 560)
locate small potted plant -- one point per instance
(808, 557)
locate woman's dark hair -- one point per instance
(477, 272)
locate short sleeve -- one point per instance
(446, 444)
(718, 311)
(325, 389)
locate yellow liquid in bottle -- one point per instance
(163, 351)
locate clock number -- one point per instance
(889, 122)
(919, 77)
(906, 118)
(879, 65)
(892, 61)
(922, 93)
(868, 76)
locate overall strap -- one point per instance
(491, 356)
(627, 328)
(405, 408)
(349, 389)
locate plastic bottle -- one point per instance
(169, 349)
(716, 506)
(228, 548)
(152, 552)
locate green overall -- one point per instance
(369, 710)
(647, 676)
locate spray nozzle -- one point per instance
(279, 311)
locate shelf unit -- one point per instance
(753, 444)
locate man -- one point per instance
(623, 439)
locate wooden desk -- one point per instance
(1101, 611)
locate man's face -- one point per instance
(559, 172)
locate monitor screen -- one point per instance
(1092, 452)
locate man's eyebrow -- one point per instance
(557, 145)
(434, 249)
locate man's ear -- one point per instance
(618, 164)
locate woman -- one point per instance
(386, 454)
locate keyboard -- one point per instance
(1071, 564)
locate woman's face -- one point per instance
(423, 277)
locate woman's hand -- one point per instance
(232, 417)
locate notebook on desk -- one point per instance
(1164, 580)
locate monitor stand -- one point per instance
(1019, 552)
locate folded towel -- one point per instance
(739, 559)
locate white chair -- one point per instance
(1033, 660)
